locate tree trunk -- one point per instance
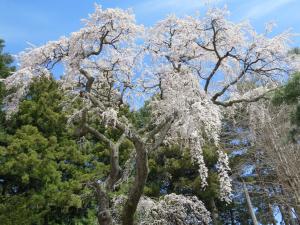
(291, 217)
(297, 211)
(103, 214)
(232, 217)
(115, 169)
(249, 204)
(271, 215)
(283, 215)
(214, 212)
(137, 188)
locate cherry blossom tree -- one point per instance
(197, 68)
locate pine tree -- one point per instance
(44, 172)
(6, 69)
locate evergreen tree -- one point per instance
(6, 61)
(6, 68)
(44, 172)
(289, 94)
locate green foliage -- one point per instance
(43, 171)
(173, 171)
(290, 94)
(5, 69)
(5, 61)
(142, 117)
(43, 108)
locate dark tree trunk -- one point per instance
(137, 188)
(271, 215)
(297, 211)
(214, 212)
(291, 217)
(284, 215)
(103, 214)
(232, 217)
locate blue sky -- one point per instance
(37, 22)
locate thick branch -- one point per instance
(158, 128)
(115, 170)
(225, 88)
(128, 168)
(137, 188)
(90, 80)
(99, 136)
(103, 214)
(213, 72)
(242, 100)
(162, 134)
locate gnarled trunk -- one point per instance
(103, 214)
(291, 216)
(137, 188)
(271, 215)
(214, 212)
(283, 215)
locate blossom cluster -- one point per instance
(225, 180)
(173, 209)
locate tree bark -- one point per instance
(249, 204)
(232, 217)
(115, 170)
(297, 211)
(271, 215)
(136, 190)
(103, 214)
(283, 215)
(291, 217)
(214, 212)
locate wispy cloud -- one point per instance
(261, 8)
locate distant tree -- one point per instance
(289, 95)
(6, 61)
(278, 155)
(6, 69)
